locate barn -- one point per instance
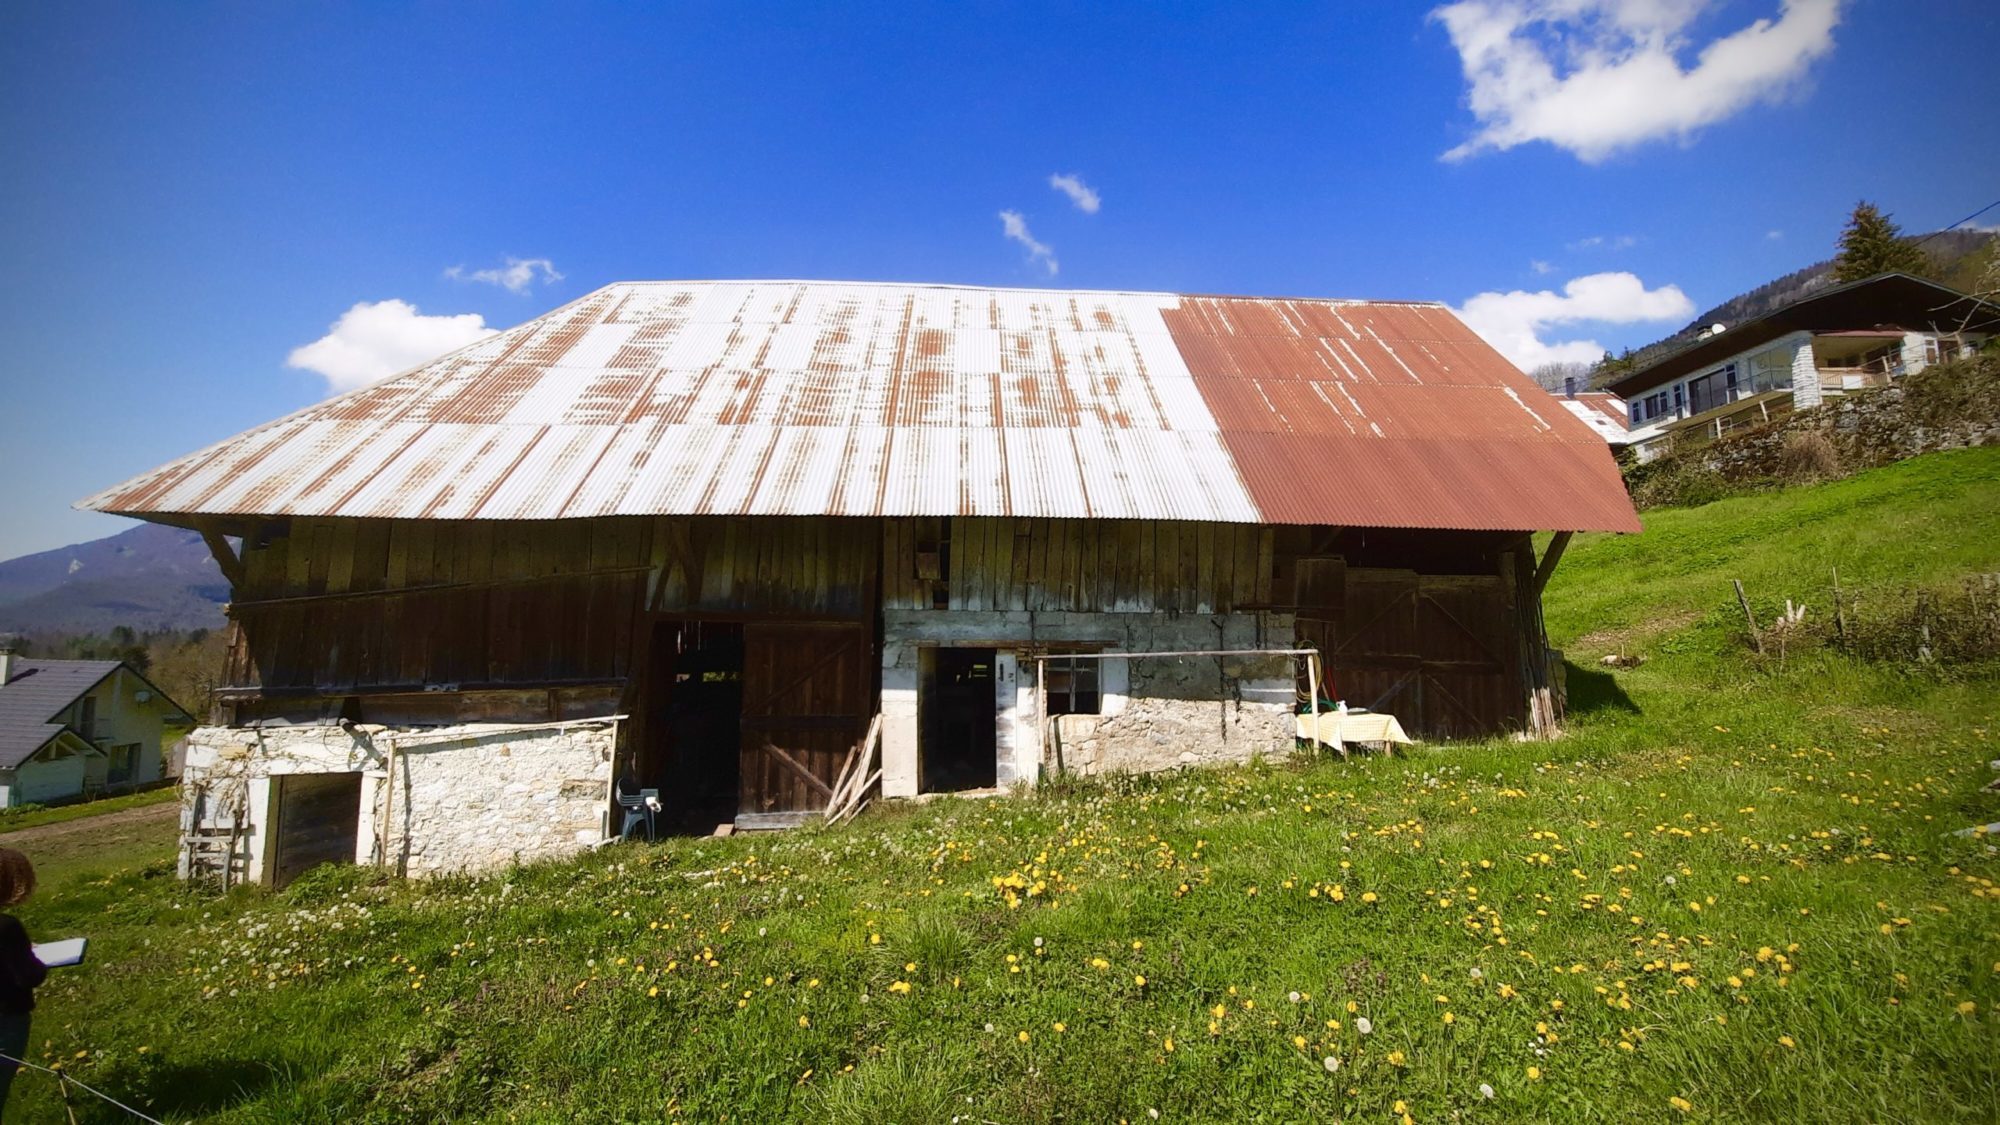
(705, 537)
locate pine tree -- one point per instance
(1873, 244)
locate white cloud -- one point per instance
(1605, 242)
(1016, 228)
(1083, 195)
(1514, 322)
(1598, 76)
(1540, 267)
(374, 340)
(515, 277)
(1773, 235)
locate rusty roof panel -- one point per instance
(781, 397)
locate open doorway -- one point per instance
(956, 716)
(693, 723)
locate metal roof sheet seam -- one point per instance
(875, 399)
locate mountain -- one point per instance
(150, 578)
(1958, 258)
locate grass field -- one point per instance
(34, 816)
(1731, 893)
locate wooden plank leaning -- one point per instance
(845, 799)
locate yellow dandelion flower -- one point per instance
(1967, 1007)
(1396, 1058)
(805, 1021)
(1681, 1103)
(1060, 1027)
(1786, 1041)
(1369, 897)
(1168, 1044)
(1534, 1074)
(1139, 979)
(1021, 1035)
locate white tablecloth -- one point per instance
(1336, 727)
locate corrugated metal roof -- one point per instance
(834, 398)
(1604, 413)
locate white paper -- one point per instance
(56, 954)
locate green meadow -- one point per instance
(1733, 891)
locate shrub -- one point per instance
(1807, 456)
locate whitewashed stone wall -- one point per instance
(467, 798)
(1157, 713)
(1186, 712)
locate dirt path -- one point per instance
(145, 824)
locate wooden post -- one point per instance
(1839, 616)
(228, 561)
(1042, 723)
(1550, 558)
(1756, 638)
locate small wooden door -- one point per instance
(318, 820)
(805, 705)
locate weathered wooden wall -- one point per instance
(420, 610)
(337, 607)
(1076, 566)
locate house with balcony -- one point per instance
(71, 729)
(1840, 340)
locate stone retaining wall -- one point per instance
(1951, 406)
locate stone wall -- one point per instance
(1156, 713)
(467, 798)
(1950, 406)
(1184, 711)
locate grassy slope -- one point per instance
(15, 819)
(742, 978)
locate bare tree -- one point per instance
(1554, 377)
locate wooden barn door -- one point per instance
(805, 705)
(1439, 652)
(1471, 685)
(318, 819)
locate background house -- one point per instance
(1844, 339)
(700, 535)
(76, 728)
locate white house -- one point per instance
(77, 728)
(1863, 334)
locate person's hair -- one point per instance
(17, 877)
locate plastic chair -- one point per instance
(641, 807)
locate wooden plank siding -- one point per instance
(342, 606)
(1078, 566)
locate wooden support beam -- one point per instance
(794, 765)
(1550, 558)
(225, 556)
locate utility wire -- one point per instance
(1960, 223)
(66, 1079)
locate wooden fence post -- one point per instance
(1756, 638)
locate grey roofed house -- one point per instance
(69, 728)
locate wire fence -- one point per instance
(64, 1081)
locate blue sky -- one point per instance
(193, 192)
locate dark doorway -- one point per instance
(317, 820)
(694, 715)
(956, 713)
